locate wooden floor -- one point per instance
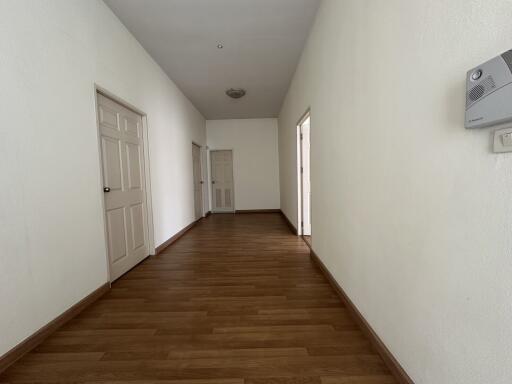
(236, 300)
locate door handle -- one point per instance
(106, 189)
(201, 182)
(213, 181)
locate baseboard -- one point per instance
(289, 223)
(308, 242)
(174, 238)
(258, 211)
(39, 336)
(393, 365)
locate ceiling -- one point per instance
(262, 40)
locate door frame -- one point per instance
(300, 202)
(147, 174)
(201, 171)
(232, 177)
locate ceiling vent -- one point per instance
(235, 93)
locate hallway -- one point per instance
(236, 300)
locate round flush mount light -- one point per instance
(235, 93)
(220, 46)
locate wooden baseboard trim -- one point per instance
(258, 211)
(393, 365)
(10, 357)
(289, 223)
(308, 242)
(174, 238)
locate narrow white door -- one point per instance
(198, 183)
(222, 181)
(123, 185)
(305, 172)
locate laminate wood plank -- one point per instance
(186, 381)
(380, 379)
(246, 367)
(51, 357)
(284, 380)
(338, 322)
(204, 354)
(236, 300)
(250, 352)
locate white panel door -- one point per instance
(198, 183)
(223, 195)
(123, 185)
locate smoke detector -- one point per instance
(235, 93)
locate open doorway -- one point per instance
(304, 188)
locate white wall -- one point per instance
(51, 219)
(255, 162)
(411, 212)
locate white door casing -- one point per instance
(198, 183)
(223, 195)
(305, 177)
(123, 172)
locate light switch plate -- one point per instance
(502, 140)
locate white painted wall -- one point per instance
(411, 212)
(255, 161)
(51, 219)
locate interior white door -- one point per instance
(198, 183)
(306, 183)
(223, 195)
(122, 155)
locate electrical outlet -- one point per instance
(502, 140)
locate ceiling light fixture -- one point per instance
(235, 93)
(220, 46)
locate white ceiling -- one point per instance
(262, 39)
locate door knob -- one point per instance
(106, 189)
(201, 182)
(213, 181)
